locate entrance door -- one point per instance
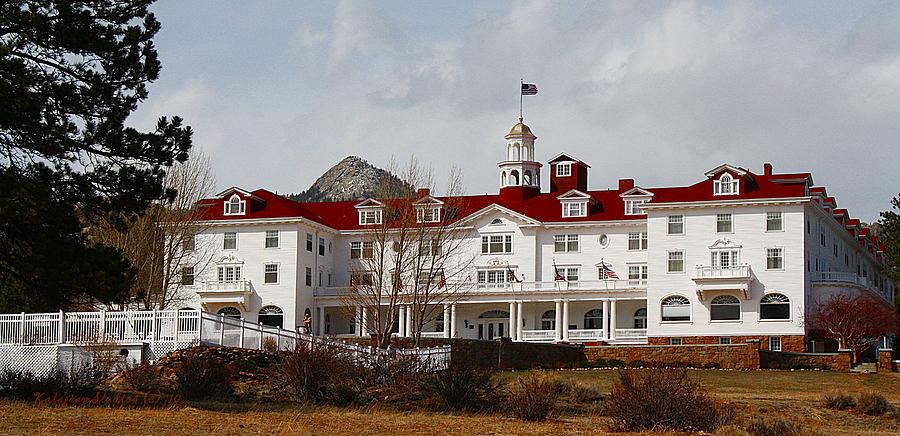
(492, 328)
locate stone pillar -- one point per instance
(558, 320)
(612, 320)
(401, 321)
(565, 321)
(519, 327)
(512, 320)
(605, 319)
(453, 320)
(447, 325)
(320, 322)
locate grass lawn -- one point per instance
(794, 395)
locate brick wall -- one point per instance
(732, 356)
(839, 361)
(792, 343)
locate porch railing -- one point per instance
(711, 272)
(539, 335)
(541, 287)
(586, 334)
(631, 333)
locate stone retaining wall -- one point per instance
(885, 361)
(839, 361)
(789, 343)
(732, 356)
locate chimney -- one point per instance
(626, 184)
(423, 192)
(767, 169)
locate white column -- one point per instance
(605, 319)
(512, 320)
(320, 323)
(558, 320)
(518, 320)
(565, 321)
(453, 320)
(409, 326)
(363, 330)
(401, 321)
(447, 325)
(612, 320)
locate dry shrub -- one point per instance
(270, 345)
(533, 397)
(663, 398)
(142, 378)
(323, 373)
(80, 381)
(463, 387)
(203, 377)
(581, 392)
(873, 404)
(731, 430)
(775, 426)
(838, 401)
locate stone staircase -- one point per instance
(865, 368)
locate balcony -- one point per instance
(225, 292)
(582, 335)
(550, 287)
(829, 278)
(717, 278)
(538, 335)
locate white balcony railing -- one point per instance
(841, 277)
(432, 334)
(631, 333)
(538, 335)
(585, 334)
(242, 285)
(741, 271)
(539, 287)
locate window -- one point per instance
(675, 261)
(309, 242)
(271, 273)
(321, 246)
(188, 242)
(369, 216)
(637, 241)
(548, 320)
(187, 276)
(593, 319)
(235, 206)
(726, 185)
(428, 214)
(271, 316)
(835, 249)
(230, 241)
(569, 272)
(822, 238)
(775, 306)
(775, 258)
(496, 244)
(676, 308)
(674, 341)
(565, 243)
(774, 222)
(489, 278)
(725, 308)
(724, 340)
(774, 343)
(362, 279)
(723, 223)
(725, 259)
(308, 276)
(361, 250)
(563, 169)
(230, 312)
(271, 238)
(430, 248)
(633, 207)
(228, 274)
(640, 318)
(574, 209)
(676, 225)
(637, 274)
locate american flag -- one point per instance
(556, 275)
(608, 273)
(529, 89)
(510, 275)
(442, 283)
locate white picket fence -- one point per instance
(29, 341)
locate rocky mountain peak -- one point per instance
(353, 178)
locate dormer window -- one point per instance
(369, 216)
(563, 169)
(235, 206)
(571, 209)
(428, 215)
(633, 207)
(726, 185)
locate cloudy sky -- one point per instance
(277, 92)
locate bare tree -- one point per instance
(162, 242)
(411, 253)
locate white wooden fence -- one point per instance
(29, 341)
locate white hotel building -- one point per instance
(736, 256)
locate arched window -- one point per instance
(676, 308)
(514, 178)
(725, 308)
(271, 316)
(234, 206)
(726, 185)
(775, 306)
(526, 179)
(516, 152)
(548, 320)
(503, 178)
(502, 314)
(497, 222)
(230, 312)
(593, 319)
(640, 318)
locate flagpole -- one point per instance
(521, 83)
